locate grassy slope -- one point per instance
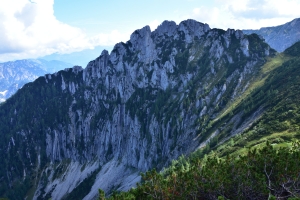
(237, 106)
(279, 83)
(272, 64)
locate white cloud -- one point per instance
(154, 24)
(30, 30)
(207, 14)
(109, 39)
(247, 14)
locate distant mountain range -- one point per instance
(81, 58)
(14, 74)
(280, 37)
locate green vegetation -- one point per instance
(293, 50)
(259, 174)
(273, 96)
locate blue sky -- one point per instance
(99, 16)
(36, 28)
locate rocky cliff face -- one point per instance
(147, 102)
(280, 37)
(13, 75)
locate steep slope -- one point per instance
(147, 102)
(280, 37)
(262, 160)
(246, 166)
(13, 75)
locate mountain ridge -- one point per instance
(147, 102)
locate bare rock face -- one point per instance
(280, 37)
(134, 109)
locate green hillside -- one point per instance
(275, 96)
(279, 97)
(260, 174)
